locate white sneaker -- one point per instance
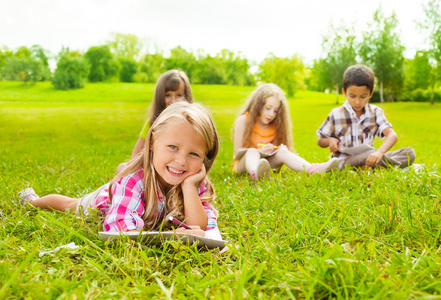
(263, 169)
(27, 196)
(331, 164)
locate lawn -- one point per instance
(342, 235)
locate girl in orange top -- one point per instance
(262, 137)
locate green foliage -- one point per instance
(180, 59)
(24, 64)
(40, 53)
(24, 69)
(129, 67)
(5, 52)
(71, 73)
(141, 77)
(23, 52)
(418, 71)
(287, 72)
(340, 47)
(342, 235)
(103, 67)
(431, 27)
(226, 67)
(382, 50)
(420, 95)
(209, 70)
(125, 45)
(152, 65)
(237, 68)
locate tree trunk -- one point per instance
(431, 95)
(381, 92)
(336, 93)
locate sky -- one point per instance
(252, 27)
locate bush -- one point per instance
(129, 67)
(420, 95)
(376, 97)
(103, 67)
(24, 69)
(141, 77)
(71, 72)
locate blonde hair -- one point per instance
(254, 107)
(168, 81)
(200, 120)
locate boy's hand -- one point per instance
(373, 159)
(333, 145)
(267, 148)
(196, 178)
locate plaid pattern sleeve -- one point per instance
(381, 121)
(343, 124)
(328, 127)
(211, 216)
(209, 210)
(127, 205)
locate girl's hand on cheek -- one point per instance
(196, 178)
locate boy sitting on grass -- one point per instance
(357, 122)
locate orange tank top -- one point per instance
(260, 135)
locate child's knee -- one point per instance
(252, 152)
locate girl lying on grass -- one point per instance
(262, 136)
(172, 86)
(168, 178)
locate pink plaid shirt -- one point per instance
(127, 207)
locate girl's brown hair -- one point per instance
(197, 117)
(168, 81)
(282, 122)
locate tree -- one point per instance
(316, 78)
(72, 70)
(129, 67)
(23, 68)
(431, 26)
(103, 66)
(418, 71)
(340, 47)
(5, 52)
(152, 65)
(24, 64)
(23, 52)
(287, 72)
(209, 70)
(181, 59)
(43, 55)
(125, 45)
(382, 50)
(236, 67)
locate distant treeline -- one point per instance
(122, 59)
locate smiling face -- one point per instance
(178, 152)
(171, 97)
(269, 112)
(358, 97)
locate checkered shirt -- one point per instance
(127, 207)
(343, 124)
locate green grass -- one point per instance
(341, 235)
